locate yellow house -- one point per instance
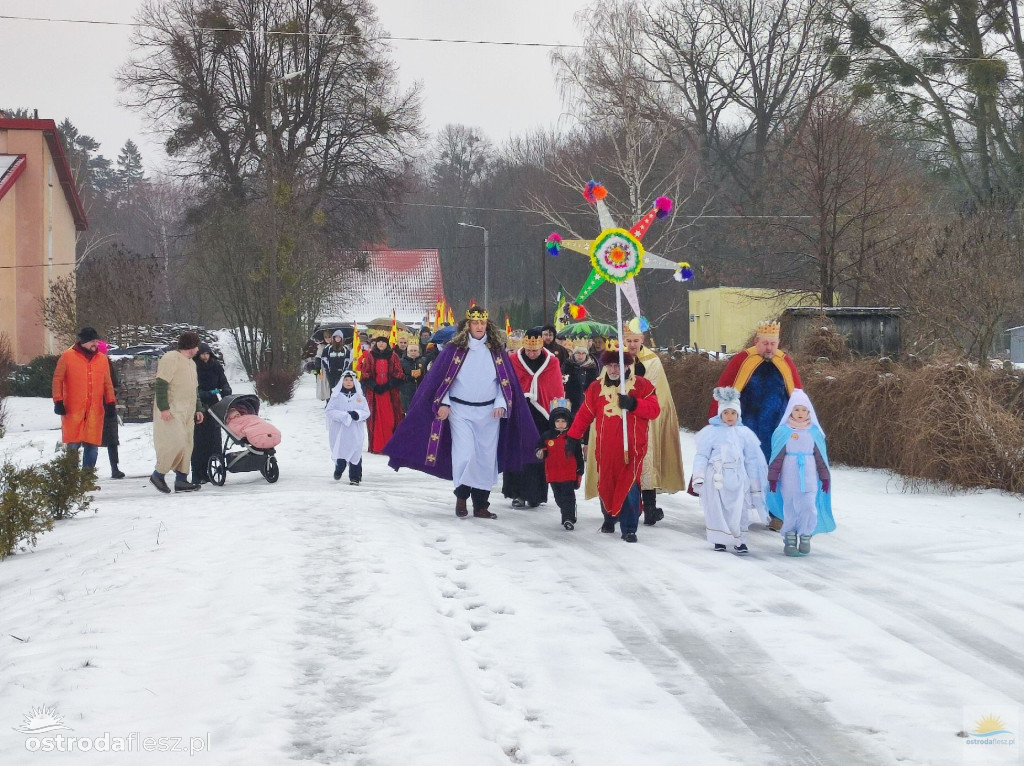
(724, 318)
(40, 214)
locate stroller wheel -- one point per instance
(217, 470)
(270, 470)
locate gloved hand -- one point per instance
(571, 445)
(627, 402)
(541, 453)
(825, 485)
(58, 408)
(110, 409)
(773, 485)
(354, 415)
(697, 485)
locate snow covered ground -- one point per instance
(309, 620)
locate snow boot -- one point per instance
(774, 523)
(184, 485)
(339, 469)
(790, 544)
(608, 527)
(629, 537)
(112, 456)
(157, 480)
(741, 548)
(805, 545)
(568, 525)
(518, 502)
(720, 547)
(460, 508)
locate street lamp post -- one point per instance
(276, 333)
(486, 261)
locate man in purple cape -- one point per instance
(469, 419)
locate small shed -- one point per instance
(1016, 339)
(869, 331)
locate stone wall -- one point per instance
(135, 395)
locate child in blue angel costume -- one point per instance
(799, 472)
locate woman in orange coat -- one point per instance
(82, 393)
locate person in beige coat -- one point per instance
(663, 466)
(176, 407)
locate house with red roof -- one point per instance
(40, 215)
(408, 282)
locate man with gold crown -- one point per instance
(540, 377)
(765, 377)
(468, 420)
(663, 466)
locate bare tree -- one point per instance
(291, 102)
(957, 282)
(845, 193)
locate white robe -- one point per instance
(475, 430)
(347, 436)
(731, 464)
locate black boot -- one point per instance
(157, 480)
(112, 456)
(355, 473)
(339, 469)
(182, 484)
(652, 514)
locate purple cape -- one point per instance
(410, 446)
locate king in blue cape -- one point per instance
(468, 420)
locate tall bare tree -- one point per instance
(293, 103)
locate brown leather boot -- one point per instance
(461, 510)
(483, 513)
(774, 523)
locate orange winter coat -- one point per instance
(84, 385)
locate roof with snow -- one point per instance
(67, 182)
(408, 282)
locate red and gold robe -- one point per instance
(617, 469)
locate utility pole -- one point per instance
(487, 281)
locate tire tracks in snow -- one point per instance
(757, 711)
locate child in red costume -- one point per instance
(618, 470)
(562, 470)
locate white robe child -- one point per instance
(347, 436)
(731, 464)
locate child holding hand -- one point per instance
(562, 471)
(799, 470)
(730, 475)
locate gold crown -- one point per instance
(768, 329)
(533, 343)
(475, 312)
(611, 344)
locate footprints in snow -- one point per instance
(478, 622)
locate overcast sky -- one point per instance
(67, 70)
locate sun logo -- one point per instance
(40, 720)
(989, 726)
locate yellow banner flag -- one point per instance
(393, 335)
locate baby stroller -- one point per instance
(246, 457)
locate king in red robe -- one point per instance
(540, 376)
(618, 466)
(382, 374)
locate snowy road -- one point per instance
(311, 621)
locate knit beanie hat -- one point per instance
(87, 334)
(728, 398)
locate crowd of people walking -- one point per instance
(542, 414)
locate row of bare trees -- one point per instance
(843, 150)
